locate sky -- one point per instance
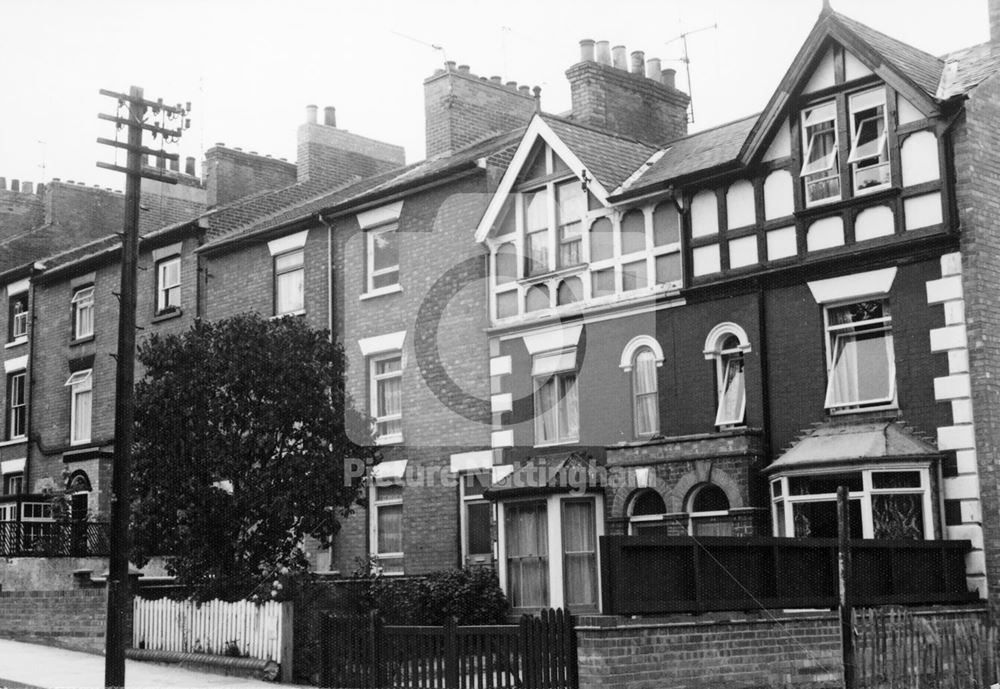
(249, 67)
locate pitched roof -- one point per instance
(835, 442)
(609, 157)
(495, 149)
(966, 68)
(922, 68)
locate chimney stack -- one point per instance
(336, 156)
(189, 166)
(635, 98)
(461, 108)
(27, 187)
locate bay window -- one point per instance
(860, 359)
(579, 545)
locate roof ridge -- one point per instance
(850, 21)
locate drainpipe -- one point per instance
(329, 274)
(765, 392)
(30, 377)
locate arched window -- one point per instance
(646, 512)
(646, 409)
(537, 298)
(641, 357)
(708, 508)
(726, 345)
(570, 290)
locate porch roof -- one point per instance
(544, 474)
(834, 443)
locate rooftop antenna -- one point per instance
(683, 38)
(435, 46)
(42, 143)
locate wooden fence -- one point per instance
(644, 575)
(895, 650)
(537, 653)
(214, 627)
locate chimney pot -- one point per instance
(496, 79)
(27, 187)
(175, 165)
(512, 85)
(39, 190)
(604, 52)
(15, 185)
(449, 66)
(669, 77)
(3, 184)
(310, 114)
(189, 166)
(161, 162)
(638, 61)
(619, 57)
(587, 50)
(653, 69)
(463, 69)
(524, 90)
(330, 116)
(237, 148)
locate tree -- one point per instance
(243, 441)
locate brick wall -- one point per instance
(336, 156)
(231, 174)
(19, 210)
(74, 619)
(977, 178)
(461, 108)
(752, 653)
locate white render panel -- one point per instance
(948, 337)
(954, 312)
(951, 264)
(781, 243)
(740, 207)
(743, 252)
(779, 195)
(853, 67)
(823, 76)
(825, 233)
(500, 365)
(781, 147)
(874, 222)
(956, 437)
(969, 532)
(964, 486)
(704, 214)
(961, 411)
(958, 360)
(966, 461)
(919, 158)
(922, 211)
(952, 387)
(907, 112)
(944, 289)
(706, 259)
(971, 511)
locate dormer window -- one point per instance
(869, 159)
(820, 164)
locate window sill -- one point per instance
(548, 275)
(381, 292)
(394, 439)
(300, 312)
(557, 443)
(166, 315)
(866, 409)
(817, 209)
(81, 340)
(16, 343)
(20, 440)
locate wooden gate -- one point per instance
(537, 653)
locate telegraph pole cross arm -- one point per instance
(132, 114)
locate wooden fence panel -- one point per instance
(537, 653)
(214, 627)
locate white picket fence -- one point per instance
(258, 631)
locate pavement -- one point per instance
(30, 666)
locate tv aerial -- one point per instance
(686, 59)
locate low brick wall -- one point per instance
(786, 650)
(72, 619)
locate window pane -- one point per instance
(546, 411)
(478, 529)
(579, 562)
(537, 253)
(666, 225)
(385, 250)
(601, 240)
(81, 417)
(603, 282)
(290, 292)
(537, 298)
(732, 395)
(527, 555)
(536, 212)
(571, 202)
(570, 290)
(633, 232)
(506, 263)
(634, 275)
(895, 479)
(507, 304)
(288, 261)
(862, 364)
(819, 519)
(388, 365)
(569, 407)
(389, 491)
(476, 483)
(710, 498)
(898, 516)
(668, 269)
(390, 529)
(389, 397)
(823, 484)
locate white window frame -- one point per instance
(655, 393)
(465, 502)
(163, 289)
(642, 519)
(857, 103)
(555, 366)
(390, 563)
(779, 492)
(13, 484)
(831, 333)
(80, 384)
(812, 117)
(12, 409)
(713, 351)
(298, 268)
(19, 322)
(693, 516)
(370, 272)
(83, 303)
(373, 381)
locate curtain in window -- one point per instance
(390, 529)
(527, 555)
(647, 421)
(569, 407)
(81, 416)
(732, 400)
(547, 411)
(388, 398)
(290, 292)
(862, 367)
(579, 564)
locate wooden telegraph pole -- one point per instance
(132, 115)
